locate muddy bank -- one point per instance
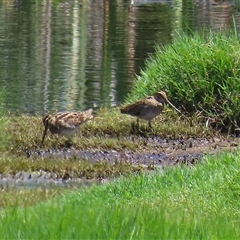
(164, 152)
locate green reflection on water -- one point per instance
(72, 55)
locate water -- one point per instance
(73, 55)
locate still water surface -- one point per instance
(73, 55)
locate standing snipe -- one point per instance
(148, 108)
(65, 123)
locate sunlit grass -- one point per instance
(108, 130)
(24, 197)
(177, 203)
(73, 167)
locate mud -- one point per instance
(164, 152)
(42, 179)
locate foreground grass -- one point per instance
(201, 202)
(23, 197)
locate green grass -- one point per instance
(24, 197)
(108, 130)
(201, 202)
(73, 167)
(200, 73)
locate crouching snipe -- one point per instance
(65, 123)
(148, 108)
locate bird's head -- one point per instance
(161, 96)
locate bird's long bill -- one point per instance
(173, 106)
(44, 134)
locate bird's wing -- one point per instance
(66, 119)
(74, 119)
(139, 107)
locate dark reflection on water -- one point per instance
(72, 55)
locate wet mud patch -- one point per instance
(145, 159)
(163, 152)
(42, 179)
(106, 164)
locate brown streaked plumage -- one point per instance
(148, 108)
(65, 123)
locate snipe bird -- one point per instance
(65, 123)
(148, 108)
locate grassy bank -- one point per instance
(108, 130)
(178, 203)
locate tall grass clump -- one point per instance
(200, 73)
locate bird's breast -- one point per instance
(63, 131)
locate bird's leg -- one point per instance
(138, 122)
(44, 133)
(149, 124)
(135, 126)
(68, 143)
